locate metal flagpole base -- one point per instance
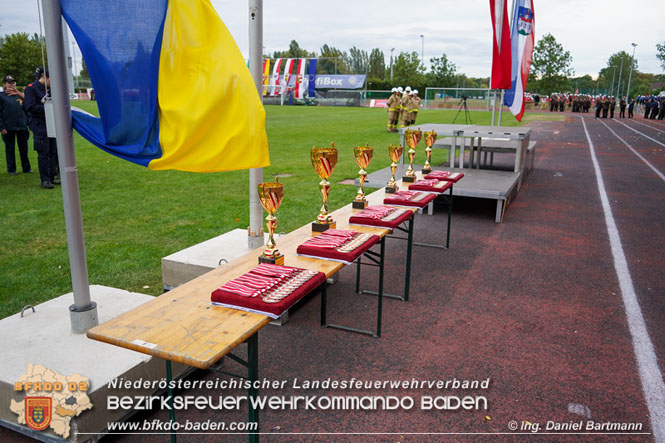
(83, 320)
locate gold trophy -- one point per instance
(363, 155)
(430, 138)
(324, 161)
(395, 152)
(412, 139)
(271, 195)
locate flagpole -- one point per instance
(255, 229)
(83, 313)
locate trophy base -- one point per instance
(390, 190)
(426, 171)
(359, 205)
(407, 179)
(322, 227)
(279, 260)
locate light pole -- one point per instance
(613, 74)
(391, 63)
(619, 82)
(630, 76)
(422, 50)
(74, 73)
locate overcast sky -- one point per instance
(591, 30)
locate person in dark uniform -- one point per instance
(622, 108)
(631, 105)
(14, 125)
(606, 106)
(562, 102)
(661, 112)
(647, 108)
(654, 109)
(599, 106)
(47, 151)
(613, 105)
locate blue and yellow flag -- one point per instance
(172, 87)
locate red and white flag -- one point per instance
(501, 56)
(274, 83)
(522, 42)
(301, 80)
(287, 75)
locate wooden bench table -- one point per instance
(182, 326)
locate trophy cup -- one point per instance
(430, 138)
(363, 155)
(270, 195)
(395, 152)
(412, 139)
(324, 161)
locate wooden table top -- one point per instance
(182, 326)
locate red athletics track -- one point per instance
(535, 304)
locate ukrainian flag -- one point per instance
(172, 87)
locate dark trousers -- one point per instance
(622, 112)
(630, 112)
(10, 139)
(597, 112)
(47, 157)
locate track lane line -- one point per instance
(647, 363)
(661, 129)
(660, 174)
(641, 133)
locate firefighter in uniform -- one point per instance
(393, 107)
(414, 106)
(404, 107)
(622, 107)
(613, 105)
(599, 106)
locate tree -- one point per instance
(294, 51)
(407, 70)
(377, 64)
(584, 84)
(618, 67)
(551, 65)
(84, 70)
(358, 60)
(661, 54)
(20, 54)
(332, 61)
(442, 72)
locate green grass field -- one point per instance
(132, 216)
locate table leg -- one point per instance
(324, 302)
(169, 391)
(252, 376)
(450, 212)
(381, 263)
(409, 249)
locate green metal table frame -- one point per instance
(378, 260)
(252, 365)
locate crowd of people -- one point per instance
(653, 107)
(20, 111)
(605, 106)
(403, 106)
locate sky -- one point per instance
(590, 30)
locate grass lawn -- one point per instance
(132, 217)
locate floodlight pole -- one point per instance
(619, 82)
(255, 229)
(83, 313)
(630, 76)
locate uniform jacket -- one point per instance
(35, 108)
(12, 115)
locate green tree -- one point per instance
(618, 68)
(358, 60)
(551, 65)
(84, 70)
(20, 54)
(443, 73)
(332, 61)
(407, 70)
(661, 54)
(377, 64)
(294, 51)
(584, 84)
